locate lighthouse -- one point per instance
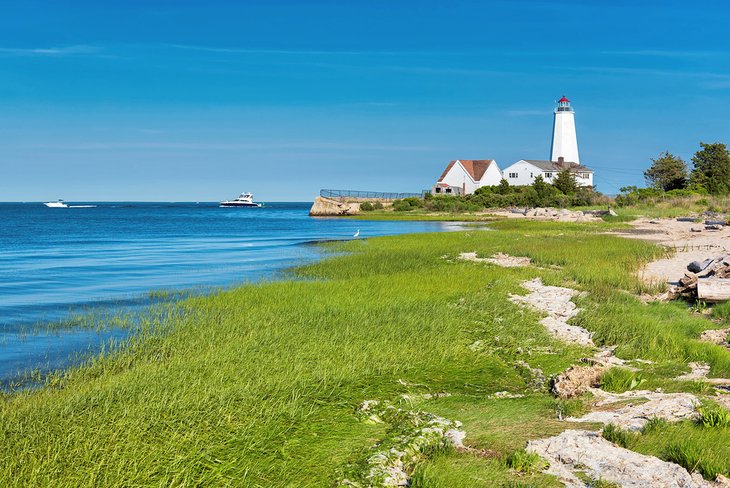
(565, 142)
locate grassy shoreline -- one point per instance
(258, 386)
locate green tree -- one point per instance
(543, 190)
(712, 168)
(503, 187)
(565, 182)
(667, 172)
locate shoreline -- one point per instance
(265, 377)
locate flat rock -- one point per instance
(671, 407)
(557, 303)
(500, 259)
(580, 451)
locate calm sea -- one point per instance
(61, 262)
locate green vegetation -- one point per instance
(260, 385)
(619, 436)
(527, 462)
(667, 172)
(619, 380)
(713, 415)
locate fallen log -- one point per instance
(716, 222)
(713, 290)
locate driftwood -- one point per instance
(713, 290)
(708, 280)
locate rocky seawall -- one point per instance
(327, 207)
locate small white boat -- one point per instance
(56, 204)
(243, 200)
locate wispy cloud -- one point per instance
(80, 50)
(236, 146)
(659, 53)
(312, 52)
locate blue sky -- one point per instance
(200, 100)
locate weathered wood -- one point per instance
(713, 290)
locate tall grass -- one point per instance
(257, 386)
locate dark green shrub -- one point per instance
(367, 207)
(407, 204)
(379, 205)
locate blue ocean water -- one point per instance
(61, 262)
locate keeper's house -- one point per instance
(463, 176)
(524, 172)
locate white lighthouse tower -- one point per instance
(565, 142)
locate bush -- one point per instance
(407, 204)
(367, 207)
(378, 206)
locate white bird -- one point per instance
(357, 234)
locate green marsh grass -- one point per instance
(258, 386)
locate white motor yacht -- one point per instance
(243, 200)
(56, 204)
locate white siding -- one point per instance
(492, 176)
(522, 173)
(459, 177)
(526, 174)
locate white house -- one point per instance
(524, 172)
(463, 176)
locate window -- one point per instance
(585, 175)
(548, 175)
(438, 189)
(513, 175)
(531, 175)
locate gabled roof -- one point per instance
(556, 166)
(475, 167)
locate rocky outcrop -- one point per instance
(324, 207)
(557, 302)
(579, 451)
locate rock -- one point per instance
(328, 207)
(713, 227)
(556, 302)
(698, 371)
(500, 259)
(576, 380)
(611, 212)
(576, 451)
(715, 336)
(694, 267)
(671, 407)
(696, 229)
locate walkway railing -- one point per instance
(343, 195)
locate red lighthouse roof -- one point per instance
(564, 99)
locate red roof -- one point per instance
(475, 167)
(564, 99)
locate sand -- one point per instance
(672, 234)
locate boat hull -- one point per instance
(238, 204)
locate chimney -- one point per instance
(561, 160)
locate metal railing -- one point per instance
(343, 195)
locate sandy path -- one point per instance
(689, 246)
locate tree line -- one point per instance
(710, 171)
